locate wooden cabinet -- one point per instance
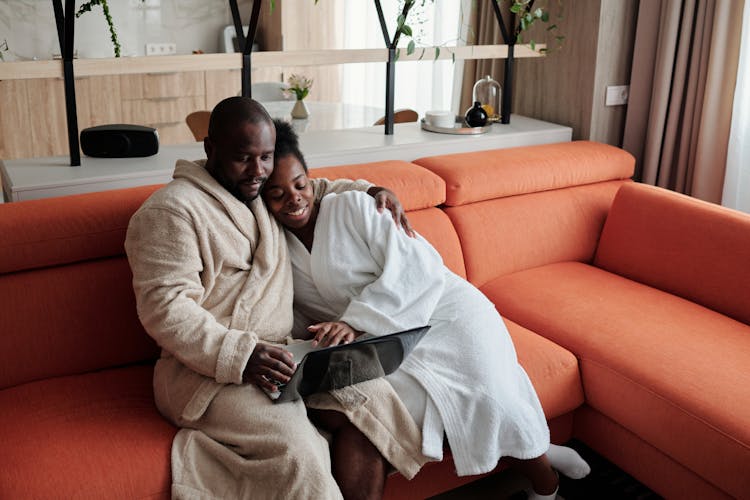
(221, 84)
(33, 118)
(162, 101)
(224, 83)
(98, 101)
(34, 123)
(15, 139)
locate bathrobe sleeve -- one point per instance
(405, 278)
(323, 186)
(163, 251)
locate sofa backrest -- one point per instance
(66, 298)
(419, 191)
(682, 245)
(523, 207)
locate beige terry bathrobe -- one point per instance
(212, 278)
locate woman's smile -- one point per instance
(297, 212)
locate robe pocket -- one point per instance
(350, 398)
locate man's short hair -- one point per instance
(235, 110)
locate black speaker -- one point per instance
(119, 141)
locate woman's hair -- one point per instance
(287, 142)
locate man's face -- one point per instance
(241, 159)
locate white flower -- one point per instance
(299, 85)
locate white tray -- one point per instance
(459, 128)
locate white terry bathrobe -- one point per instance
(463, 379)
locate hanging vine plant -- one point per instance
(527, 14)
(87, 6)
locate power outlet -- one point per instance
(617, 95)
(161, 49)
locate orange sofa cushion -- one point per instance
(484, 175)
(670, 371)
(415, 186)
(97, 435)
(553, 370)
(435, 227)
(69, 319)
(688, 247)
(93, 226)
(505, 235)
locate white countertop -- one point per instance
(325, 115)
(33, 178)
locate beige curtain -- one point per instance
(486, 32)
(681, 90)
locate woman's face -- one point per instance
(288, 194)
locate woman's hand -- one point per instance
(268, 367)
(332, 333)
(385, 198)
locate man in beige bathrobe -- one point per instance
(213, 286)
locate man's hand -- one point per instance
(332, 333)
(269, 364)
(385, 198)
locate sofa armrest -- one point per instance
(691, 248)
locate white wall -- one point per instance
(30, 30)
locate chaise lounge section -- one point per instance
(629, 307)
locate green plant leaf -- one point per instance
(406, 30)
(532, 44)
(545, 17)
(437, 53)
(410, 48)
(515, 8)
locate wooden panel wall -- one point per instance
(568, 86)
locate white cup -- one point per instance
(442, 119)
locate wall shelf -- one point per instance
(19, 70)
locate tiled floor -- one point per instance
(606, 482)
(504, 485)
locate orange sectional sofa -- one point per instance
(629, 307)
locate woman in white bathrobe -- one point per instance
(355, 271)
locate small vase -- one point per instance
(476, 116)
(300, 110)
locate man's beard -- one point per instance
(235, 190)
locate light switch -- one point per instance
(617, 95)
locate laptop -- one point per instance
(327, 368)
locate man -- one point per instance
(213, 287)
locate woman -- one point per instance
(356, 272)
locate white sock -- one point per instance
(533, 495)
(567, 461)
